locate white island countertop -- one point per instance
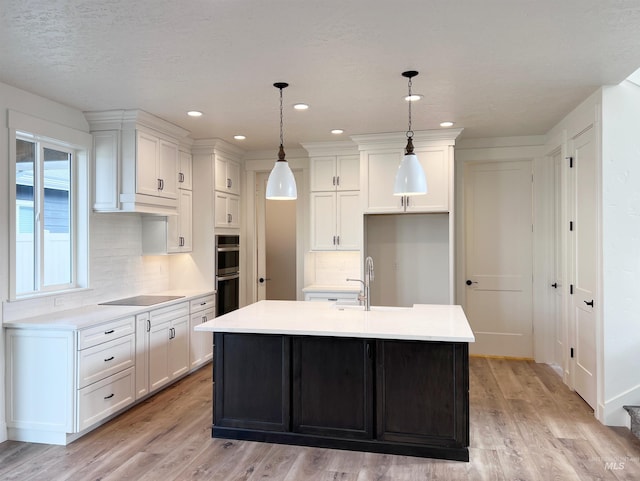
(422, 322)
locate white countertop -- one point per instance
(90, 315)
(422, 322)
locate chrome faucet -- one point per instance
(368, 277)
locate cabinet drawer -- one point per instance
(341, 298)
(105, 359)
(105, 397)
(202, 303)
(169, 313)
(106, 332)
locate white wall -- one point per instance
(621, 249)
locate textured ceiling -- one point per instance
(495, 67)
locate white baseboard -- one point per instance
(611, 412)
(3, 432)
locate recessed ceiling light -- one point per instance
(301, 106)
(448, 123)
(413, 97)
(239, 137)
(194, 113)
(337, 131)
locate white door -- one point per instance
(277, 249)
(583, 304)
(498, 257)
(556, 283)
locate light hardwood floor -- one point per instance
(525, 425)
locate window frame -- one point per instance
(79, 144)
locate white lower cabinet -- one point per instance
(339, 297)
(103, 398)
(143, 326)
(201, 347)
(61, 383)
(168, 344)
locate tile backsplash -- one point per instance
(117, 269)
(331, 268)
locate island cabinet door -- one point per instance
(332, 387)
(251, 381)
(422, 393)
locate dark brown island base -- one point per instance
(389, 380)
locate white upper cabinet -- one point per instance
(171, 234)
(156, 166)
(185, 168)
(336, 209)
(335, 172)
(227, 210)
(381, 171)
(336, 221)
(227, 175)
(380, 157)
(136, 162)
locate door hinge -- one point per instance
(571, 353)
(570, 159)
(571, 289)
(571, 225)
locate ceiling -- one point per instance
(495, 67)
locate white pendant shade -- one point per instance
(410, 178)
(281, 184)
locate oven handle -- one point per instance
(228, 249)
(229, 277)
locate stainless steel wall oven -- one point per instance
(227, 273)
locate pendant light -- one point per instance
(410, 178)
(281, 184)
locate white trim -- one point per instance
(79, 144)
(611, 413)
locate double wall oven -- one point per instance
(227, 273)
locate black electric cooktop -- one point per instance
(140, 301)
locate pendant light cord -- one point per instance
(410, 132)
(281, 124)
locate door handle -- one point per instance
(589, 303)
(469, 282)
(554, 285)
(263, 279)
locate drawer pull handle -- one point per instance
(110, 359)
(109, 332)
(109, 396)
(203, 303)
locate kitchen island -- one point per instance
(389, 380)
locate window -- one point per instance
(45, 208)
(50, 207)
